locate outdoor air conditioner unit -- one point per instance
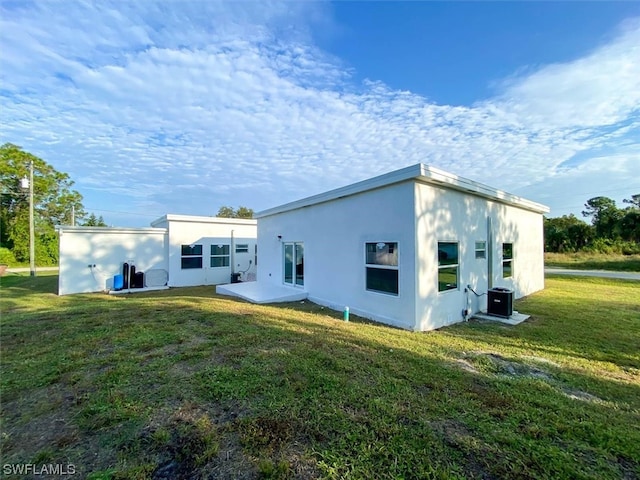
(500, 302)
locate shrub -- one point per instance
(631, 248)
(608, 246)
(6, 257)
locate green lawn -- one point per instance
(593, 261)
(185, 384)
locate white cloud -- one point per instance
(613, 175)
(183, 107)
(602, 88)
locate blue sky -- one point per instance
(181, 107)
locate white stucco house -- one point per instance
(401, 248)
(190, 250)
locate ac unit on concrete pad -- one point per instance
(500, 302)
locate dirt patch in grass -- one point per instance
(497, 365)
(278, 447)
(204, 387)
(494, 364)
(630, 469)
(186, 443)
(231, 462)
(580, 395)
(458, 436)
(43, 430)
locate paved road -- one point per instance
(594, 273)
(555, 271)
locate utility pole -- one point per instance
(73, 215)
(32, 242)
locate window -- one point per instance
(447, 266)
(219, 256)
(294, 264)
(242, 248)
(191, 256)
(507, 260)
(382, 267)
(481, 249)
(255, 255)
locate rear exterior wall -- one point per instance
(334, 235)
(444, 215)
(89, 258)
(208, 234)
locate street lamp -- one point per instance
(28, 183)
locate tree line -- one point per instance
(230, 212)
(612, 229)
(55, 203)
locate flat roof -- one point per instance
(107, 230)
(201, 219)
(420, 173)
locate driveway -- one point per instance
(593, 273)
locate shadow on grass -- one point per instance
(292, 389)
(23, 284)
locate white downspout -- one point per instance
(233, 260)
(489, 254)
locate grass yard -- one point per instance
(593, 261)
(185, 384)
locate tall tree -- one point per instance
(634, 201)
(630, 221)
(54, 200)
(244, 212)
(605, 216)
(93, 221)
(226, 212)
(630, 225)
(229, 212)
(566, 234)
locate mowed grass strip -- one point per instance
(186, 384)
(593, 261)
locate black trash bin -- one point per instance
(235, 278)
(500, 302)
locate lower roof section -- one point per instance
(111, 230)
(202, 219)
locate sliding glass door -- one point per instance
(294, 264)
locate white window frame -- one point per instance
(183, 256)
(379, 266)
(509, 261)
(227, 256)
(242, 248)
(481, 252)
(294, 274)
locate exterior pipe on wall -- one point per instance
(466, 313)
(489, 253)
(233, 260)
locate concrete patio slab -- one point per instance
(256, 292)
(514, 319)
